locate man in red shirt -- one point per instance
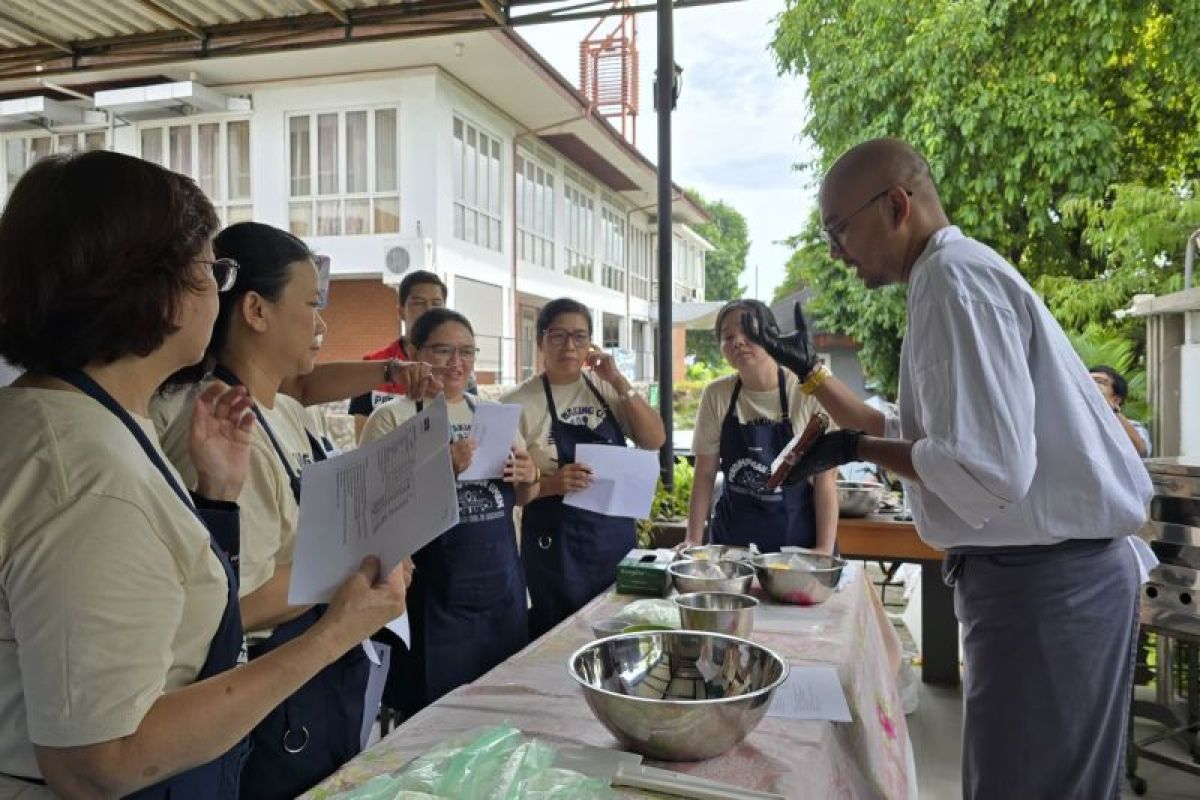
(419, 292)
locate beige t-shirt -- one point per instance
(576, 404)
(751, 407)
(269, 510)
(394, 413)
(109, 590)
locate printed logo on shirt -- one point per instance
(479, 501)
(749, 476)
(588, 415)
(459, 431)
(378, 398)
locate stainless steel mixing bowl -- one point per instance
(692, 576)
(717, 612)
(858, 498)
(809, 583)
(717, 552)
(677, 695)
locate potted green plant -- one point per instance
(667, 524)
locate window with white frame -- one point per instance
(639, 263)
(344, 172)
(580, 210)
(214, 153)
(535, 211)
(22, 152)
(612, 248)
(478, 186)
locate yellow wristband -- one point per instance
(814, 380)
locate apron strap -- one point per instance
(783, 403)
(608, 411)
(733, 398)
(86, 384)
(226, 375)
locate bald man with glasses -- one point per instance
(1014, 465)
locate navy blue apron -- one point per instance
(746, 512)
(571, 554)
(219, 777)
(466, 604)
(317, 729)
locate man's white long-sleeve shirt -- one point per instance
(1013, 443)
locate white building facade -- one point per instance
(430, 154)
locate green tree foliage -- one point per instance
(723, 266)
(1061, 132)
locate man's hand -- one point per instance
(794, 351)
(827, 452)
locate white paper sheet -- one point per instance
(811, 692)
(623, 480)
(494, 429)
(388, 499)
(400, 626)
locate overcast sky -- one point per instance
(735, 130)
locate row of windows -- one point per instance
(343, 179)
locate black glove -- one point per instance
(827, 452)
(794, 351)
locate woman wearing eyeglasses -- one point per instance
(119, 622)
(570, 554)
(268, 329)
(467, 602)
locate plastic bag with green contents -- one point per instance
(484, 764)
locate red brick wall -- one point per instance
(362, 317)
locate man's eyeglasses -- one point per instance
(557, 337)
(444, 352)
(224, 272)
(835, 235)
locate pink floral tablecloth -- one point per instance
(866, 758)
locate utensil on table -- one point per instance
(718, 612)
(859, 498)
(620, 768)
(677, 695)
(711, 576)
(799, 577)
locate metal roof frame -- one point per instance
(173, 31)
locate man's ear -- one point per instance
(901, 204)
(254, 313)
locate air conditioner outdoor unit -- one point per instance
(401, 256)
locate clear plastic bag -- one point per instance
(651, 612)
(484, 764)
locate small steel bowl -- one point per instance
(808, 585)
(717, 552)
(677, 695)
(690, 576)
(858, 498)
(717, 612)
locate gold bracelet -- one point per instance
(814, 380)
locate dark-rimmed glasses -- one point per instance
(558, 337)
(835, 235)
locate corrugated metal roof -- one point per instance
(29, 23)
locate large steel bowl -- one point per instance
(717, 552)
(717, 612)
(800, 578)
(859, 498)
(699, 576)
(677, 695)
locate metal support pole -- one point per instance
(664, 88)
